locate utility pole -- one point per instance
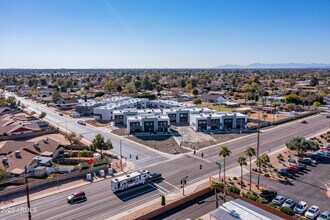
(219, 165)
(27, 195)
(121, 156)
(258, 143)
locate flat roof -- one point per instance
(129, 175)
(239, 209)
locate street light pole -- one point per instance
(27, 194)
(258, 143)
(121, 156)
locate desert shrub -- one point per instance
(271, 204)
(235, 178)
(287, 210)
(263, 201)
(233, 189)
(266, 175)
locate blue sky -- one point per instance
(162, 33)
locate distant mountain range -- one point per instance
(277, 66)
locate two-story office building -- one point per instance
(148, 123)
(218, 121)
(120, 116)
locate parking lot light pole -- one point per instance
(121, 156)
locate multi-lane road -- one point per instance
(103, 204)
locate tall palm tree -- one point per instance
(224, 152)
(242, 162)
(215, 185)
(250, 152)
(259, 163)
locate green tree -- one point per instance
(3, 174)
(72, 137)
(293, 98)
(316, 104)
(314, 81)
(56, 96)
(301, 145)
(214, 186)
(99, 143)
(242, 162)
(197, 101)
(195, 92)
(224, 152)
(42, 115)
(250, 152)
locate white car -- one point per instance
(289, 203)
(312, 212)
(324, 216)
(301, 207)
(279, 200)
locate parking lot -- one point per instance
(309, 186)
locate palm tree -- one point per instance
(262, 160)
(242, 162)
(250, 152)
(259, 163)
(224, 152)
(215, 185)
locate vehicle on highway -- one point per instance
(289, 203)
(81, 122)
(324, 216)
(76, 197)
(308, 161)
(268, 194)
(133, 179)
(303, 122)
(286, 173)
(301, 207)
(312, 212)
(279, 200)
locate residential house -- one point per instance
(213, 98)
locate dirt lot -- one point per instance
(165, 144)
(97, 123)
(217, 138)
(120, 131)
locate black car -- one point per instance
(301, 166)
(307, 161)
(286, 174)
(268, 194)
(316, 157)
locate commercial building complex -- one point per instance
(144, 115)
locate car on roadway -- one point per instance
(324, 216)
(81, 122)
(278, 200)
(155, 176)
(76, 197)
(303, 122)
(289, 203)
(308, 161)
(312, 212)
(268, 194)
(300, 208)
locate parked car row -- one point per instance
(301, 207)
(289, 171)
